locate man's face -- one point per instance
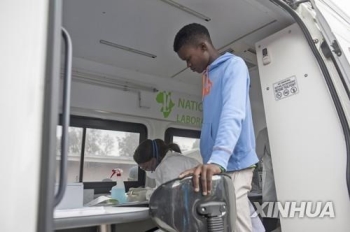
(196, 57)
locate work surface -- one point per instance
(93, 216)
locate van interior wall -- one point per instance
(93, 100)
(97, 101)
(306, 139)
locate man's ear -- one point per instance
(203, 46)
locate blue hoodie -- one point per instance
(227, 136)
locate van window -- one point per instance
(75, 138)
(188, 140)
(96, 146)
(106, 150)
(186, 143)
(185, 138)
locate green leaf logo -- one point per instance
(164, 99)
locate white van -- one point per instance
(127, 85)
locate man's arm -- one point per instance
(234, 99)
(234, 96)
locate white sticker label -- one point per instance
(286, 88)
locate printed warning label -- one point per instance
(286, 88)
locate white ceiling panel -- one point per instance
(150, 26)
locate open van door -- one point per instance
(335, 26)
(308, 124)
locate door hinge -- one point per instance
(336, 48)
(295, 3)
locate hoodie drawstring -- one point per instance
(206, 83)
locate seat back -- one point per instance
(176, 207)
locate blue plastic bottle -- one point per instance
(118, 191)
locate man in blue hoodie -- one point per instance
(227, 140)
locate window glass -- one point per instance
(185, 143)
(189, 147)
(106, 150)
(75, 138)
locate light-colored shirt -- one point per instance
(172, 165)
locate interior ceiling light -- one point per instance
(186, 9)
(128, 49)
(105, 81)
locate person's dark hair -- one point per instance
(190, 35)
(145, 152)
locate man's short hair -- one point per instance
(191, 34)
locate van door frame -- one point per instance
(337, 103)
(339, 59)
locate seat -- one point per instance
(176, 207)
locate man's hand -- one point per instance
(205, 173)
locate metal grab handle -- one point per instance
(65, 116)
